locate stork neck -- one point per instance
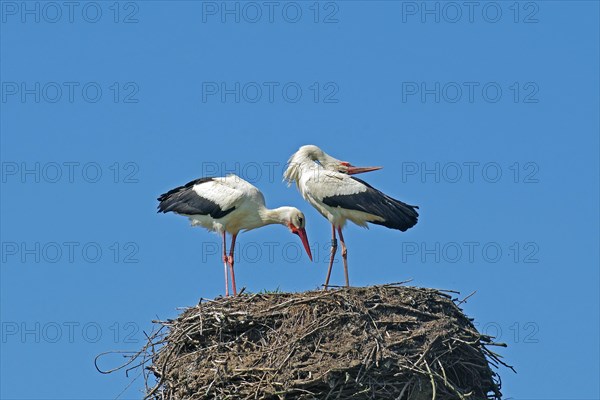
(273, 216)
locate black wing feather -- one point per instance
(184, 200)
(396, 214)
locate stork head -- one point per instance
(311, 154)
(295, 221)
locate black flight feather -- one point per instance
(395, 214)
(184, 200)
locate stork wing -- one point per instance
(216, 197)
(323, 184)
(340, 190)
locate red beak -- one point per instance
(302, 233)
(352, 170)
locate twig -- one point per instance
(465, 299)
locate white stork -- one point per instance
(229, 205)
(325, 182)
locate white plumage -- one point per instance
(317, 183)
(326, 183)
(229, 205)
(232, 192)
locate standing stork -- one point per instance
(327, 184)
(229, 205)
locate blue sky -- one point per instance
(486, 117)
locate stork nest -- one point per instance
(379, 342)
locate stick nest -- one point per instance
(379, 342)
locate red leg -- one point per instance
(332, 257)
(344, 256)
(230, 259)
(225, 265)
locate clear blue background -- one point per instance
(546, 311)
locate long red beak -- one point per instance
(302, 233)
(352, 170)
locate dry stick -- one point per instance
(129, 385)
(447, 290)
(460, 396)
(296, 301)
(465, 299)
(394, 284)
(426, 351)
(162, 374)
(406, 308)
(364, 363)
(343, 299)
(432, 381)
(443, 372)
(116, 352)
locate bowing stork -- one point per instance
(229, 205)
(326, 183)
